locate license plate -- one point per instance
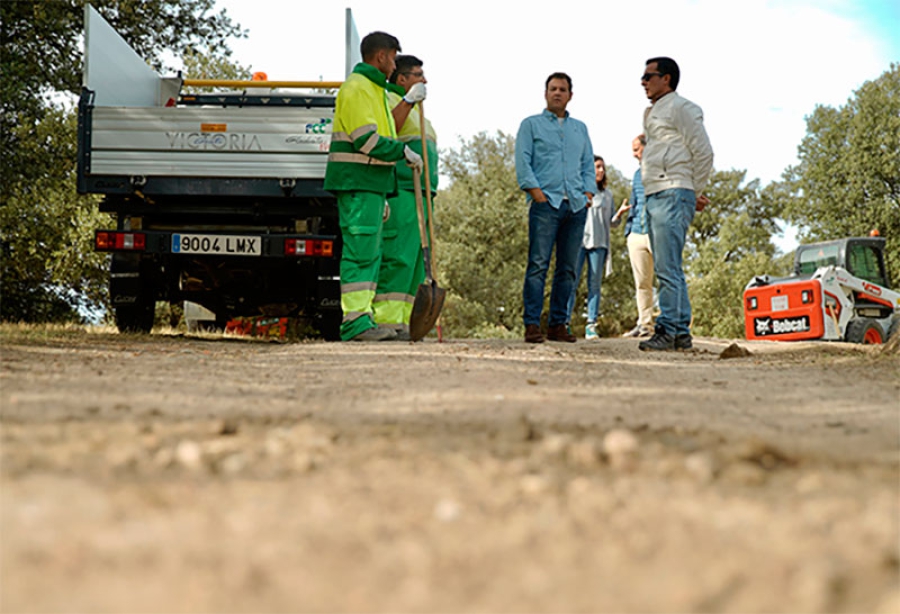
(222, 245)
(779, 303)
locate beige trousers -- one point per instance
(641, 257)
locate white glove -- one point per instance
(416, 93)
(412, 158)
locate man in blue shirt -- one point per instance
(637, 233)
(555, 166)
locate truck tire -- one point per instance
(328, 324)
(137, 318)
(864, 330)
(894, 330)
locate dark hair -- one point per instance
(602, 184)
(375, 42)
(642, 138)
(404, 64)
(558, 75)
(667, 66)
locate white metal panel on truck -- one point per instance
(352, 55)
(211, 142)
(117, 75)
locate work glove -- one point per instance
(387, 211)
(416, 93)
(412, 158)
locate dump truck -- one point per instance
(838, 291)
(217, 196)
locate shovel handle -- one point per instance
(428, 196)
(426, 252)
(427, 175)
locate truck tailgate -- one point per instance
(252, 142)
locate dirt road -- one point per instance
(173, 474)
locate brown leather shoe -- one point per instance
(533, 334)
(560, 332)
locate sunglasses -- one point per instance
(649, 75)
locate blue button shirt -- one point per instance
(556, 157)
(637, 215)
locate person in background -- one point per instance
(360, 172)
(555, 167)
(637, 237)
(675, 168)
(402, 268)
(595, 248)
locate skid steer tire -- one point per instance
(864, 330)
(894, 330)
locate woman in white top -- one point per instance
(595, 247)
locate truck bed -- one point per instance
(256, 142)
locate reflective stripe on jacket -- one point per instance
(364, 145)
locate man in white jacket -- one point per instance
(675, 168)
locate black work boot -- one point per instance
(684, 342)
(661, 341)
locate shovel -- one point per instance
(429, 297)
(424, 135)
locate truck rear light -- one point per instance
(752, 303)
(107, 241)
(309, 247)
(806, 297)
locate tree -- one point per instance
(727, 245)
(41, 64)
(49, 270)
(481, 243)
(208, 65)
(848, 179)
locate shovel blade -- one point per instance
(426, 309)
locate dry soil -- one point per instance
(168, 473)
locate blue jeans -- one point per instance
(548, 227)
(670, 212)
(596, 259)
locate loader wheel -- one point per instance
(864, 330)
(894, 330)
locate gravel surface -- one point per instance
(169, 473)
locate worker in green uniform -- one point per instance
(402, 267)
(360, 172)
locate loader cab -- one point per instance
(863, 257)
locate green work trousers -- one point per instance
(361, 223)
(402, 268)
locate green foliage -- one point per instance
(729, 243)
(199, 65)
(49, 269)
(848, 179)
(481, 238)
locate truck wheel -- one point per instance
(136, 318)
(329, 324)
(864, 330)
(894, 330)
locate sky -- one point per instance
(757, 68)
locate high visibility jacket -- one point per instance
(364, 145)
(410, 133)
